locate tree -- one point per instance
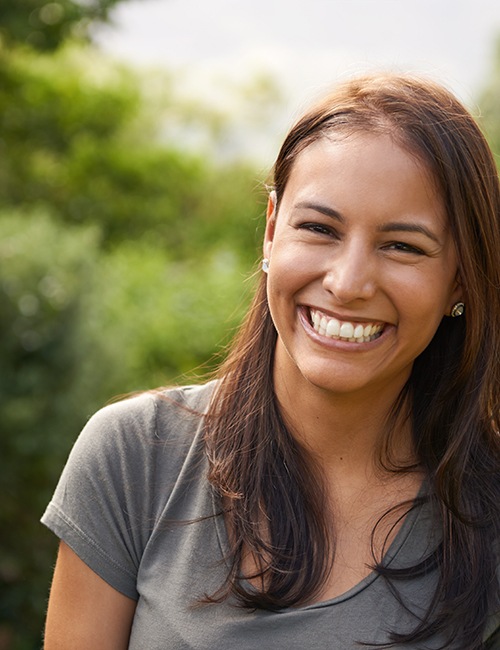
(46, 25)
(45, 271)
(86, 146)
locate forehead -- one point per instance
(392, 152)
(365, 171)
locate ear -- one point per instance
(270, 225)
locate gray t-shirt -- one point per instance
(126, 503)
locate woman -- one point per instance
(337, 486)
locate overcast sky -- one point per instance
(308, 44)
(311, 42)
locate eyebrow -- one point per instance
(393, 226)
(397, 226)
(323, 209)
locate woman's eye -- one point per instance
(405, 248)
(318, 228)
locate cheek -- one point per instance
(421, 302)
(285, 270)
(293, 263)
(278, 293)
(284, 284)
(423, 309)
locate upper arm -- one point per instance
(84, 611)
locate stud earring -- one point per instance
(457, 309)
(265, 265)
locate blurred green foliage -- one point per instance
(124, 264)
(45, 25)
(72, 139)
(43, 272)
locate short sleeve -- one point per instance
(102, 506)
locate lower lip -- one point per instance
(339, 344)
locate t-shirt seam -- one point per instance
(69, 522)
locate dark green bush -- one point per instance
(45, 272)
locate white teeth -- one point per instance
(358, 331)
(333, 327)
(344, 330)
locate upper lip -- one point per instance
(349, 318)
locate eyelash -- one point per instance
(320, 229)
(405, 248)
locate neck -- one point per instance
(344, 431)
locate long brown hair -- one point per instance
(257, 466)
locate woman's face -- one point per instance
(362, 265)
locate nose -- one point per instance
(351, 274)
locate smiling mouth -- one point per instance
(344, 330)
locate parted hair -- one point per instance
(452, 395)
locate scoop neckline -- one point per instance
(395, 547)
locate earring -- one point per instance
(265, 265)
(457, 309)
